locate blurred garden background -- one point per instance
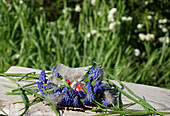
(129, 38)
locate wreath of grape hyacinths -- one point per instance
(63, 95)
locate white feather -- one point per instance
(54, 99)
(108, 97)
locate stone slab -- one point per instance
(159, 98)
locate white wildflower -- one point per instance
(110, 18)
(164, 20)
(160, 26)
(113, 11)
(69, 9)
(93, 2)
(164, 30)
(98, 35)
(167, 40)
(146, 2)
(162, 39)
(124, 18)
(149, 37)
(88, 35)
(142, 36)
(136, 52)
(129, 18)
(139, 26)
(21, 1)
(149, 17)
(66, 10)
(111, 14)
(112, 25)
(99, 13)
(77, 8)
(160, 21)
(17, 56)
(41, 8)
(93, 32)
(118, 23)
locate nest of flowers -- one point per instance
(86, 92)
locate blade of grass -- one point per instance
(11, 93)
(141, 102)
(25, 100)
(7, 86)
(3, 111)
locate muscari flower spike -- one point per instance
(99, 87)
(40, 86)
(77, 102)
(52, 70)
(95, 73)
(42, 77)
(90, 91)
(86, 102)
(81, 94)
(73, 93)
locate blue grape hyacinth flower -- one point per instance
(52, 70)
(86, 102)
(81, 94)
(42, 77)
(98, 82)
(98, 90)
(72, 93)
(77, 102)
(56, 74)
(94, 72)
(40, 86)
(65, 89)
(90, 91)
(57, 89)
(99, 87)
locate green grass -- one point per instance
(28, 38)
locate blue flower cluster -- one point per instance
(72, 97)
(96, 90)
(69, 97)
(56, 74)
(43, 83)
(95, 73)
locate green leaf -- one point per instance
(87, 78)
(25, 100)
(3, 111)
